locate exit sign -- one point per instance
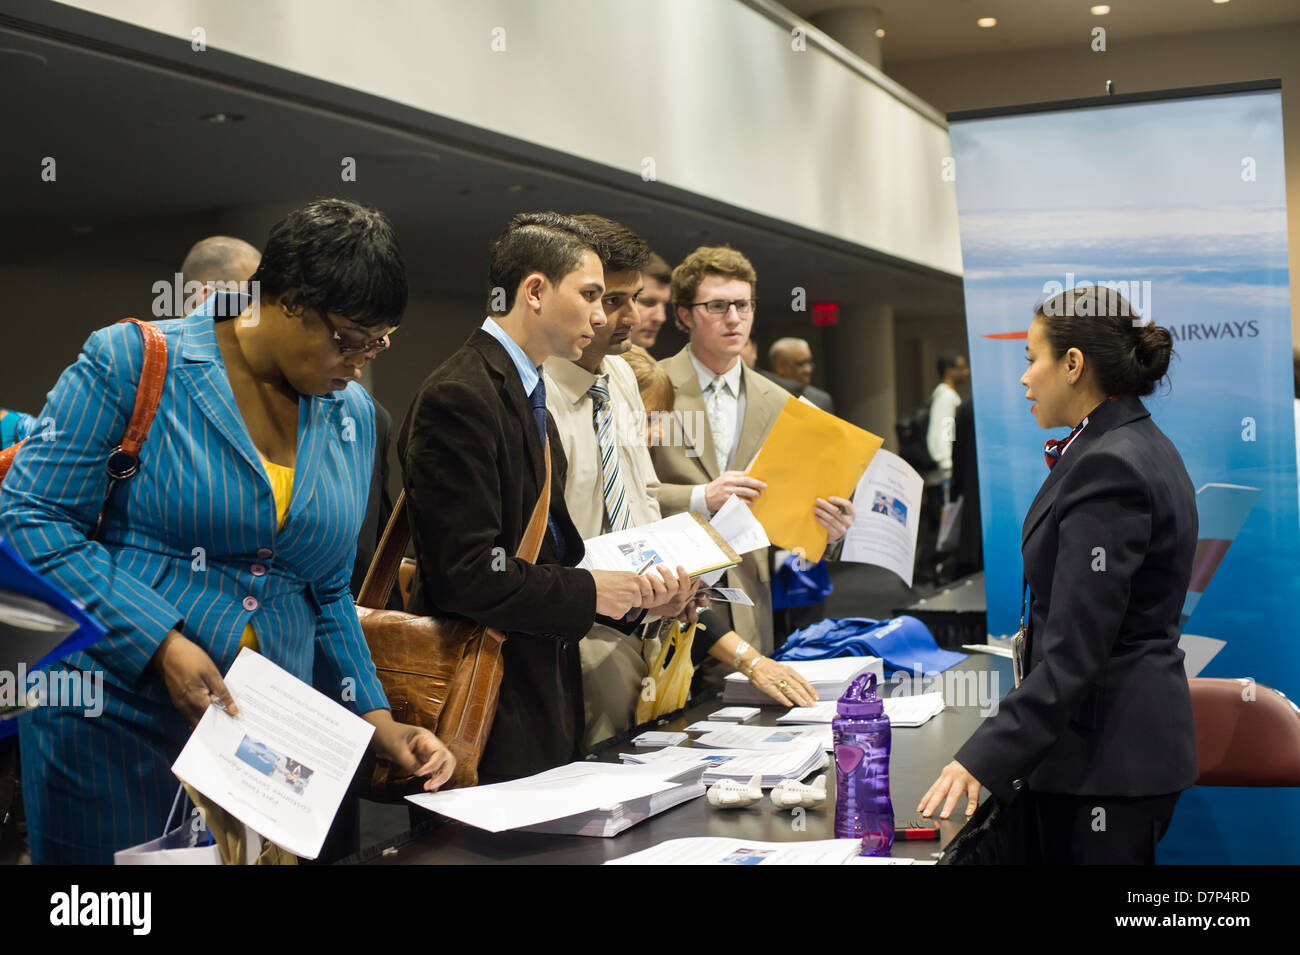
(826, 313)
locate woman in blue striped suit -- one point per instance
(238, 530)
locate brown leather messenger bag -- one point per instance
(442, 673)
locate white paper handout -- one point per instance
(684, 540)
(718, 850)
(888, 504)
(739, 527)
(913, 710)
(283, 765)
(830, 678)
(733, 736)
(795, 761)
(554, 794)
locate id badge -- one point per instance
(1018, 655)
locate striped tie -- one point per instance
(612, 487)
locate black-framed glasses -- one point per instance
(348, 345)
(720, 306)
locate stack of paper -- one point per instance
(611, 820)
(579, 797)
(830, 678)
(717, 850)
(793, 760)
(739, 736)
(913, 710)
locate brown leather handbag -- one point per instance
(441, 673)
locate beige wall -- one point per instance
(1147, 63)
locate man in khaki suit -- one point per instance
(722, 413)
(610, 484)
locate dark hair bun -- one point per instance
(1151, 352)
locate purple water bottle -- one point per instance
(861, 735)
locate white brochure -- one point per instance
(888, 505)
(284, 763)
(717, 850)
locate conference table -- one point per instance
(918, 754)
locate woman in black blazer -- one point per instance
(1099, 734)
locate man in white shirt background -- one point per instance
(944, 401)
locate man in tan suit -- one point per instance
(723, 411)
(610, 484)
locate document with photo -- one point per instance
(888, 502)
(284, 763)
(718, 850)
(683, 540)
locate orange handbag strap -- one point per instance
(392, 545)
(123, 460)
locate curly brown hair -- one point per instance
(707, 260)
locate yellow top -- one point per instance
(282, 487)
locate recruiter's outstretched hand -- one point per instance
(948, 788)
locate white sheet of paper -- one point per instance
(679, 540)
(739, 527)
(554, 794)
(764, 737)
(728, 595)
(283, 765)
(888, 504)
(913, 710)
(718, 850)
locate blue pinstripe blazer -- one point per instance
(200, 485)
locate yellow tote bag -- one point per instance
(669, 680)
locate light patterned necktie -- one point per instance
(718, 423)
(611, 482)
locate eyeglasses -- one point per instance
(720, 306)
(353, 346)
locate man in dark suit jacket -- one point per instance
(792, 366)
(473, 463)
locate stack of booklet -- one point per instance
(915, 710)
(719, 850)
(611, 820)
(793, 760)
(733, 736)
(585, 798)
(830, 678)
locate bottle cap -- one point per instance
(860, 698)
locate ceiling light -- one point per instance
(1100, 10)
(987, 21)
(880, 31)
(219, 118)
(1220, 1)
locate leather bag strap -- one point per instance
(382, 574)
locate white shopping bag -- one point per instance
(179, 846)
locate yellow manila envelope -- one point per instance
(808, 454)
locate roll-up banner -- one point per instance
(1176, 199)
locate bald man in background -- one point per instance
(791, 359)
(219, 258)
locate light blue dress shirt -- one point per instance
(528, 372)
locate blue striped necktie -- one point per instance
(612, 489)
